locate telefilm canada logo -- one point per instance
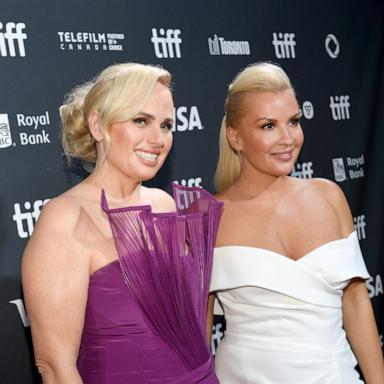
(91, 41)
(351, 168)
(219, 46)
(167, 43)
(12, 38)
(284, 45)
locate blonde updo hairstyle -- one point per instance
(258, 77)
(118, 93)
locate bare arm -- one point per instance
(360, 326)
(211, 300)
(358, 318)
(55, 281)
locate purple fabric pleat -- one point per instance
(166, 261)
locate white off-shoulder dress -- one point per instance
(284, 317)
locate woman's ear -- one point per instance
(95, 126)
(234, 138)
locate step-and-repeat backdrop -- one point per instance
(333, 52)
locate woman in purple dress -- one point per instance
(116, 275)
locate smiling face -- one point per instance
(139, 147)
(269, 135)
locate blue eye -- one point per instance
(140, 121)
(167, 126)
(267, 126)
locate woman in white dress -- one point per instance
(287, 268)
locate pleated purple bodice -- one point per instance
(145, 316)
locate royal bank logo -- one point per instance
(5, 131)
(308, 110)
(25, 216)
(219, 46)
(284, 44)
(91, 41)
(303, 170)
(186, 119)
(340, 107)
(352, 168)
(339, 169)
(12, 38)
(332, 46)
(167, 43)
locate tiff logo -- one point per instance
(193, 182)
(217, 336)
(284, 44)
(360, 225)
(303, 170)
(167, 44)
(22, 313)
(29, 217)
(340, 107)
(12, 36)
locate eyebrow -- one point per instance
(298, 114)
(153, 117)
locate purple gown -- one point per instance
(146, 311)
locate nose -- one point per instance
(286, 136)
(156, 136)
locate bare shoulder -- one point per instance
(59, 213)
(329, 189)
(336, 198)
(161, 201)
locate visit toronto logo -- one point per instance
(219, 46)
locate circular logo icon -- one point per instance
(332, 46)
(308, 111)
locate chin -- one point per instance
(283, 172)
(145, 176)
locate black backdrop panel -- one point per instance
(333, 52)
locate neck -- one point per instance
(119, 188)
(255, 183)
